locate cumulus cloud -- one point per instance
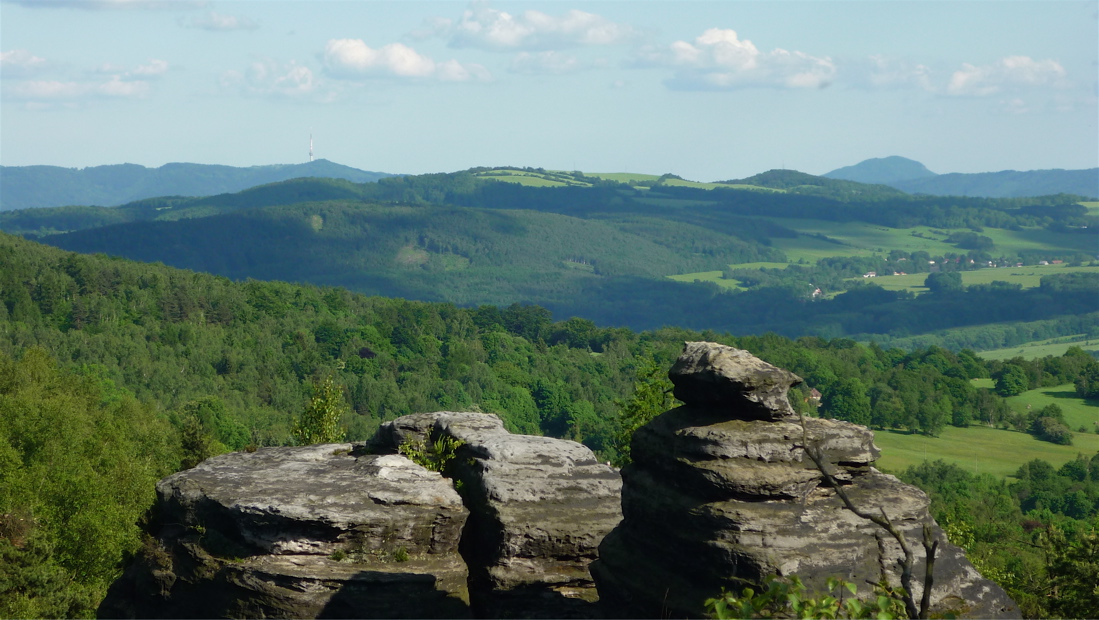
(353, 58)
(487, 28)
(20, 63)
(219, 22)
(1010, 73)
(266, 77)
(719, 60)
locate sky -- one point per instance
(709, 91)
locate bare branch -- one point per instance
(816, 454)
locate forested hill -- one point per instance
(28, 187)
(606, 250)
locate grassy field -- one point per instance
(623, 177)
(978, 449)
(1078, 412)
(708, 276)
(1042, 348)
(1093, 207)
(863, 238)
(1028, 277)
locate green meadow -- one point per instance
(709, 276)
(1028, 277)
(1078, 412)
(1042, 348)
(979, 449)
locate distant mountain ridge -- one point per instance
(26, 187)
(914, 178)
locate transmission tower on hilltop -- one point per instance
(310, 146)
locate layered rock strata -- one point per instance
(316, 531)
(539, 508)
(721, 492)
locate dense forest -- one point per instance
(114, 373)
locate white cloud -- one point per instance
(267, 77)
(881, 71)
(719, 60)
(550, 62)
(98, 5)
(124, 89)
(20, 63)
(155, 67)
(219, 22)
(1009, 73)
(353, 58)
(53, 90)
(487, 28)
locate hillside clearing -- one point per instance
(978, 449)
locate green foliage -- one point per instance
(944, 282)
(651, 397)
(1073, 567)
(320, 422)
(438, 456)
(1011, 380)
(785, 597)
(77, 469)
(1087, 383)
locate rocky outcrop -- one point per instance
(359, 531)
(539, 508)
(316, 531)
(721, 491)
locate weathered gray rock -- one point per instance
(715, 496)
(316, 531)
(732, 381)
(539, 508)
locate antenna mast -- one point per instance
(310, 146)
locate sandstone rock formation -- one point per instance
(721, 490)
(539, 508)
(359, 531)
(316, 531)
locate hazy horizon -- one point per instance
(704, 90)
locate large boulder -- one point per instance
(721, 492)
(315, 531)
(539, 508)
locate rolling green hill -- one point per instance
(602, 246)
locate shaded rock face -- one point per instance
(539, 508)
(315, 531)
(721, 490)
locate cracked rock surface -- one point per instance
(721, 490)
(305, 532)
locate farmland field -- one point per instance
(977, 449)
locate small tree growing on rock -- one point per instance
(320, 422)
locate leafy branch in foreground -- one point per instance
(784, 597)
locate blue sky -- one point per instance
(707, 90)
